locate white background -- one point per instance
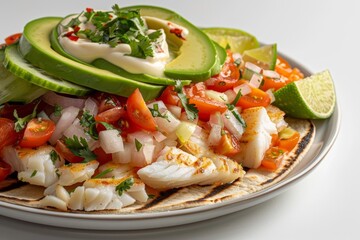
(319, 34)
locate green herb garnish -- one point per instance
(20, 123)
(88, 122)
(190, 109)
(124, 186)
(57, 110)
(33, 173)
(156, 113)
(138, 145)
(54, 156)
(103, 173)
(234, 111)
(80, 148)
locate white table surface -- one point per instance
(319, 34)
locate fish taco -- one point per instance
(153, 114)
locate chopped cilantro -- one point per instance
(54, 156)
(234, 111)
(138, 145)
(57, 110)
(20, 123)
(124, 186)
(156, 113)
(190, 109)
(33, 173)
(88, 122)
(103, 173)
(80, 148)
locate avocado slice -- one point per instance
(105, 65)
(196, 55)
(35, 46)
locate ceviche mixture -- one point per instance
(137, 104)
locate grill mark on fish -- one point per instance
(163, 196)
(301, 147)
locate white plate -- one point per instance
(326, 133)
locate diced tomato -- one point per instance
(169, 96)
(272, 159)
(256, 98)
(290, 143)
(61, 148)
(207, 106)
(111, 115)
(108, 101)
(139, 113)
(228, 145)
(37, 133)
(101, 156)
(284, 69)
(8, 136)
(228, 77)
(5, 170)
(197, 89)
(12, 39)
(275, 84)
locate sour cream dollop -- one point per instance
(88, 51)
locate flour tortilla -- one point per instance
(254, 180)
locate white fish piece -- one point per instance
(101, 194)
(76, 172)
(256, 138)
(118, 170)
(39, 166)
(176, 168)
(52, 201)
(62, 193)
(77, 197)
(277, 117)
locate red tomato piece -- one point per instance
(139, 113)
(111, 115)
(8, 136)
(290, 143)
(37, 133)
(12, 39)
(272, 159)
(228, 145)
(207, 106)
(5, 170)
(256, 98)
(101, 156)
(169, 96)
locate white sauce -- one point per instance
(88, 51)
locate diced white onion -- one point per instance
(217, 96)
(142, 157)
(43, 115)
(68, 115)
(10, 156)
(252, 67)
(255, 80)
(111, 141)
(160, 104)
(159, 137)
(91, 106)
(214, 135)
(123, 156)
(168, 124)
(141, 136)
(271, 95)
(244, 88)
(75, 129)
(53, 99)
(231, 95)
(271, 74)
(175, 110)
(216, 119)
(232, 124)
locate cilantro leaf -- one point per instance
(88, 122)
(138, 145)
(190, 109)
(20, 123)
(234, 111)
(124, 186)
(141, 47)
(80, 148)
(54, 156)
(103, 173)
(156, 113)
(57, 110)
(33, 173)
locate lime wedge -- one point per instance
(264, 57)
(311, 98)
(238, 40)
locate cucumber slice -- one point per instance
(15, 89)
(16, 64)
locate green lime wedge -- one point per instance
(264, 57)
(311, 98)
(238, 40)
